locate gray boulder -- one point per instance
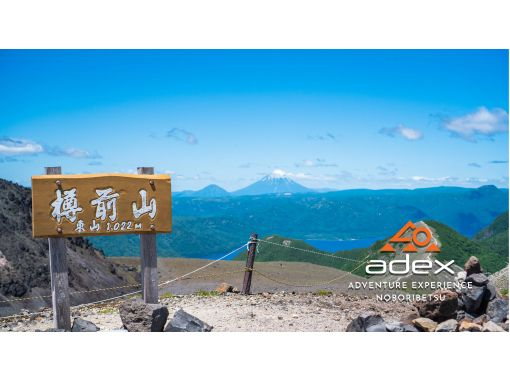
(472, 266)
(138, 316)
(400, 327)
(461, 276)
(82, 325)
(425, 324)
(497, 310)
(447, 326)
(52, 329)
(442, 306)
(185, 322)
(478, 279)
(481, 319)
(363, 322)
(377, 328)
(492, 291)
(473, 299)
(491, 327)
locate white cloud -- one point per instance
(16, 147)
(280, 173)
(389, 170)
(71, 152)
(482, 122)
(403, 131)
(182, 135)
(453, 181)
(10, 146)
(446, 179)
(328, 136)
(317, 163)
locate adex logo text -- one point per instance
(414, 238)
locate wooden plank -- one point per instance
(149, 259)
(100, 204)
(250, 260)
(59, 279)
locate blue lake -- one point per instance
(324, 245)
(341, 245)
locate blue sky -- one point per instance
(328, 119)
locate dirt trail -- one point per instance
(281, 311)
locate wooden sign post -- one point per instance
(94, 205)
(250, 260)
(149, 259)
(58, 274)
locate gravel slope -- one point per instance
(281, 311)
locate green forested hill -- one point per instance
(454, 246)
(297, 250)
(459, 248)
(495, 237)
(500, 225)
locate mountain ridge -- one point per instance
(281, 184)
(209, 191)
(271, 184)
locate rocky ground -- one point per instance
(204, 302)
(282, 311)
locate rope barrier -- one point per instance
(182, 277)
(71, 293)
(309, 251)
(278, 281)
(203, 267)
(187, 277)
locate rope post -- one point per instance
(58, 274)
(252, 248)
(148, 258)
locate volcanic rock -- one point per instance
(466, 325)
(472, 266)
(425, 324)
(440, 309)
(497, 310)
(400, 327)
(474, 298)
(363, 322)
(138, 316)
(184, 322)
(447, 326)
(82, 325)
(491, 327)
(478, 279)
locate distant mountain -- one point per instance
(211, 191)
(271, 184)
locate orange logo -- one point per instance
(412, 242)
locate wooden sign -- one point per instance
(100, 204)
